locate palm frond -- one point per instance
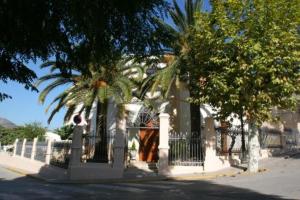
(62, 95)
(70, 111)
(50, 87)
(52, 76)
(47, 64)
(61, 103)
(178, 17)
(198, 5)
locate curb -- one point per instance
(24, 173)
(123, 180)
(136, 180)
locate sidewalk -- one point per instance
(32, 168)
(54, 174)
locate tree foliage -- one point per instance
(245, 55)
(65, 132)
(28, 131)
(175, 45)
(99, 84)
(79, 32)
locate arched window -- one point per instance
(146, 118)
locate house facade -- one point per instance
(160, 139)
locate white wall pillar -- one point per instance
(212, 162)
(48, 152)
(163, 163)
(23, 147)
(76, 147)
(33, 150)
(119, 144)
(210, 144)
(298, 134)
(15, 147)
(253, 148)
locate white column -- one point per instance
(23, 147)
(15, 147)
(76, 146)
(210, 145)
(212, 162)
(119, 144)
(33, 150)
(253, 148)
(163, 163)
(48, 152)
(298, 134)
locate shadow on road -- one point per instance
(28, 188)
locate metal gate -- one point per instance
(185, 149)
(96, 148)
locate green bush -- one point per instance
(29, 131)
(65, 132)
(133, 147)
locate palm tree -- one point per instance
(97, 84)
(175, 70)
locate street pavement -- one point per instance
(280, 181)
(282, 178)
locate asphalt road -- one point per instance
(280, 182)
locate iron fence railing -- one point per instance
(60, 154)
(28, 149)
(290, 137)
(230, 139)
(19, 148)
(270, 138)
(185, 149)
(97, 148)
(41, 151)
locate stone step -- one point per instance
(153, 167)
(150, 167)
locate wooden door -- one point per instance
(149, 139)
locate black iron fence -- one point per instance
(28, 149)
(97, 148)
(41, 151)
(185, 149)
(19, 148)
(290, 137)
(229, 140)
(60, 153)
(270, 138)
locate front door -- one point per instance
(149, 139)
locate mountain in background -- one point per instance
(6, 123)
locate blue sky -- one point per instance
(24, 106)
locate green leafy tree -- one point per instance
(65, 132)
(28, 131)
(79, 31)
(32, 130)
(244, 56)
(6, 137)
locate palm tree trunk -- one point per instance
(195, 119)
(243, 159)
(101, 134)
(196, 130)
